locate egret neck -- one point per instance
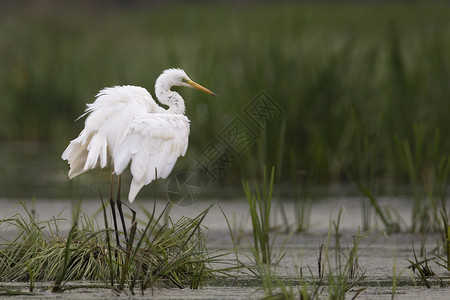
(168, 97)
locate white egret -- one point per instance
(126, 127)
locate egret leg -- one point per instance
(119, 207)
(113, 210)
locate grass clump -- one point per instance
(167, 254)
(441, 256)
(342, 272)
(337, 274)
(446, 239)
(260, 203)
(428, 172)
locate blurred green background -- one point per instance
(364, 85)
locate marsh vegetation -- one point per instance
(361, 95)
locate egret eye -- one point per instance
(184, 80)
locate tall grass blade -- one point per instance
(108, 243)
(260, 207)
(389, 225)
(72, 233)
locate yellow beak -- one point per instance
(200, 88)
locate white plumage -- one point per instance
(126, 127)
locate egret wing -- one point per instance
(107, 120)
(151, 146)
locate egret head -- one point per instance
(177, 77)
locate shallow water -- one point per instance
(378, 253)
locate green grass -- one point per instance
(162, 254)
(338, 267)
(445, 231)
(260, 203)
(338, 270)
